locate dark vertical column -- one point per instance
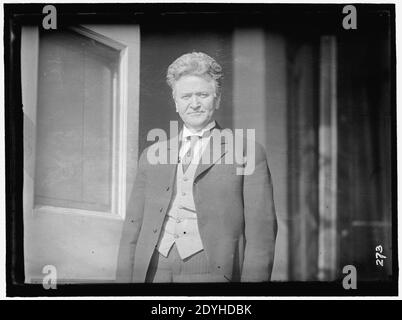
(303, 158)
(14, 153)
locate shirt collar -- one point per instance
(188, 133)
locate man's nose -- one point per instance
(195, 102)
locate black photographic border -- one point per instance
(16, 15)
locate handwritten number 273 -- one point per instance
(379, 257)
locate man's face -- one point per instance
(196, 101)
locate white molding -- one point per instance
(123, 93)
(29, 89)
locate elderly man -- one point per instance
(197, 221)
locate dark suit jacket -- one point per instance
(236, 216)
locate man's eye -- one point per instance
(204, 95)
(186, 97)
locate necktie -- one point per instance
(188, 157)
(190, 153)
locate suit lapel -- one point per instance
(217, 142)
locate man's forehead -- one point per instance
(194, 85)
(195, 89)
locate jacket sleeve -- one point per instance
(260, 220)
(132, 225)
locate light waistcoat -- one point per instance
(180, 225)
